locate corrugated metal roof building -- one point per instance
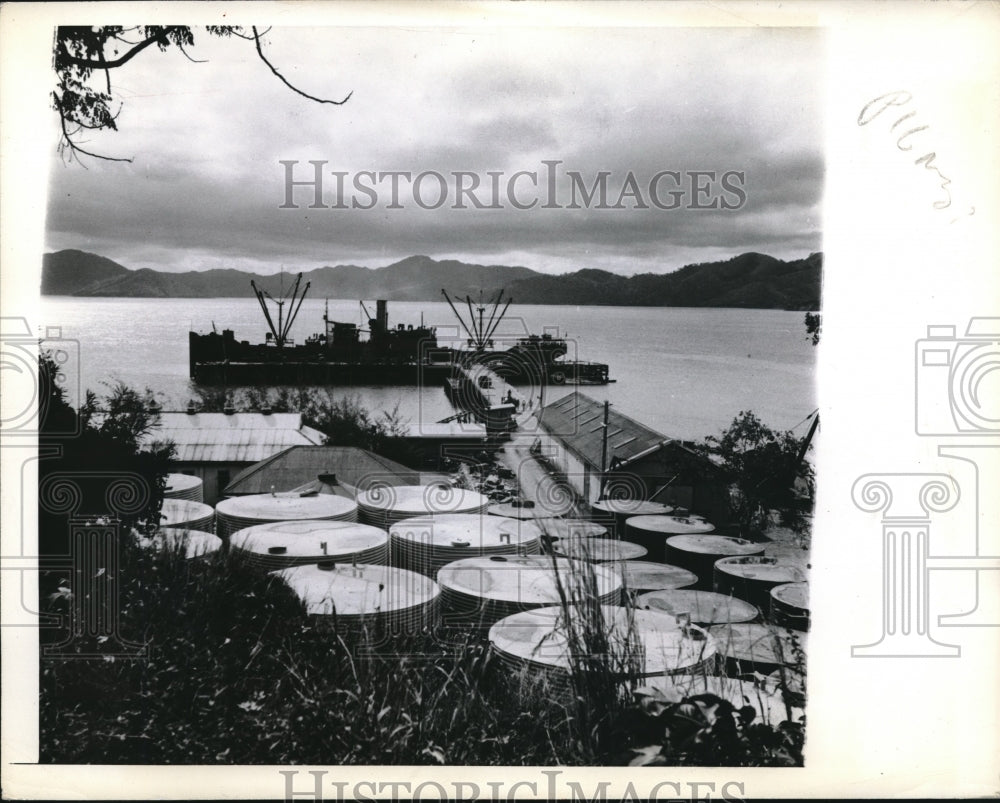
(355, 469)
(434, 446)
(638, 458)
(216, 446)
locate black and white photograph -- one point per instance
(395, 396)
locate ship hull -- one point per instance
(316, 373)
(219, 359)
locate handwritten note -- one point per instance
(899, 99)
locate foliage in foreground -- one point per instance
(814, 326)
(91, 463)
(342, 418)
(767, 477)
(237, 673)
(670, 728)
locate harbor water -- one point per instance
(685, 372)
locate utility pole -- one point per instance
(807, 440)
(604, 447)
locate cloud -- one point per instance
(206, 183)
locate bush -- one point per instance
(669, 728)
(238, 673)
(91, 465)
(342, 418)
(767, 478)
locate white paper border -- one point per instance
(896, 727)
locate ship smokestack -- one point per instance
(382, 314)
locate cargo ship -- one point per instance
(345, 354)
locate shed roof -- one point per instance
(578, 422)
(235, 438)
(450, 430)
(355, 468)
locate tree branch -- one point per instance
(106, 65)
(81, 51)
(189, 57)
(74, 148)
(296, 90)
(107, 71)
(250, 38)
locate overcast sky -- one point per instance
(206, 183)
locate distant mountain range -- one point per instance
(749, 280)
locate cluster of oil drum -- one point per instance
(666, 595)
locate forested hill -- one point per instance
(749, 280)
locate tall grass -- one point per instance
(238, 672)
(604, 659)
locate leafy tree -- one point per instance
(343, 419)
(814, 326)
(125, 415)
(92, 465)
(85, 55)
(766, 473)
(666, 727)
(347, 422)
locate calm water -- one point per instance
(684, 372)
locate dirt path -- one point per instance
(537, 481)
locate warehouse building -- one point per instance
(217, 446)
(630, 458)
(323, 468)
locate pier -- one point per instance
(477, 389)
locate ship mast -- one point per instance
(480, 331)
(294, 299)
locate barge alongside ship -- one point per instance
(400, 355)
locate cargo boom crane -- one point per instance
(480, 332)
(531, 359)
(280, 332)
